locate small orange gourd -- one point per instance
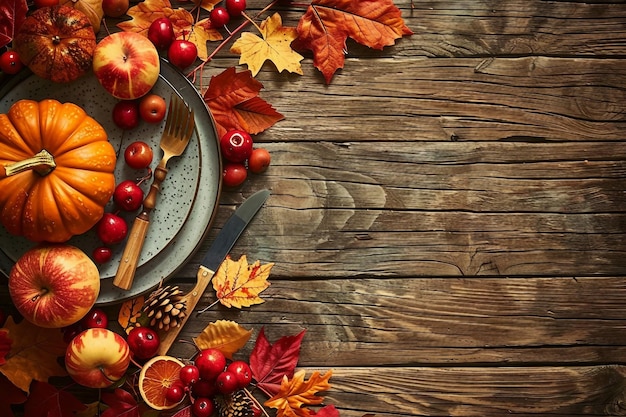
(56, 170)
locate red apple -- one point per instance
(126, 64)
(97, 358)
(54, 285)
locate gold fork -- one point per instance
(179, 127)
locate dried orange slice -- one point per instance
(156, 376)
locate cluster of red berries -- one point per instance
(208, 375)
(240, 156)
(221, 15)
(180, 52)
(128, 197)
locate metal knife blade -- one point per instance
(232, 229)
(214, 257)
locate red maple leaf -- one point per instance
(12, 14)
(9, 394)
(327, 24)
(327, 411)
(269, 363)
(121, 404)
(47, 401)
(234, 103)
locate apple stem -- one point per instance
(193, 74)
(101, 369)
(43, 292)
(42, 163)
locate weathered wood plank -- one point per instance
(479, 99)
(438, 209)
(526, 391)
(425, 321)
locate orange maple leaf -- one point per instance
(238, 284)
(33, 355)
(275, 46)
(130, 313)
(327, 24)
(5, 345)
(224, 335)
(234, 103)
(294, 394)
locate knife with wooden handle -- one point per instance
(216, 254)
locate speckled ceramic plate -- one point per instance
(188, 199)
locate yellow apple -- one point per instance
(54, 285)
(97, 358)
(126, 64)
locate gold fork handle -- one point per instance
(127, 268)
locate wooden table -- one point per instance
(447, 217)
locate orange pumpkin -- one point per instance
(56, 170)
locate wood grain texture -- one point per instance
(447, 217)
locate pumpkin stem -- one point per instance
(42, 163)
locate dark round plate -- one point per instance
(189, 195)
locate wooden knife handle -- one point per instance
(169, 337)
(130, 257)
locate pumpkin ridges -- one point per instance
(94, 187)
(11, 142)
(24, 117)
(58, 122)
(71, 198)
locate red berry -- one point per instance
(128, 196)
(226, 382)
(210, 362)
(189, 375)
(234, 174)
(235, 7)
(175, 393)
(236, 145)
(161, 32)
(204, 388)
(259, 160)
(182, 53)
(143, 342)
(96, 318)
(102, 254)
(138, 155)
(219, 17)
(112, 229)
(126, 114)
(10, 62)
(203, 407)
(242, 373)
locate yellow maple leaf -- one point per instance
(224, 335)
(33, 355)
(295, 393)
(238, 284)
(275, 46)
(208, 5)
(200, 34)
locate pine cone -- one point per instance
(235, 405)
(165, 307)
